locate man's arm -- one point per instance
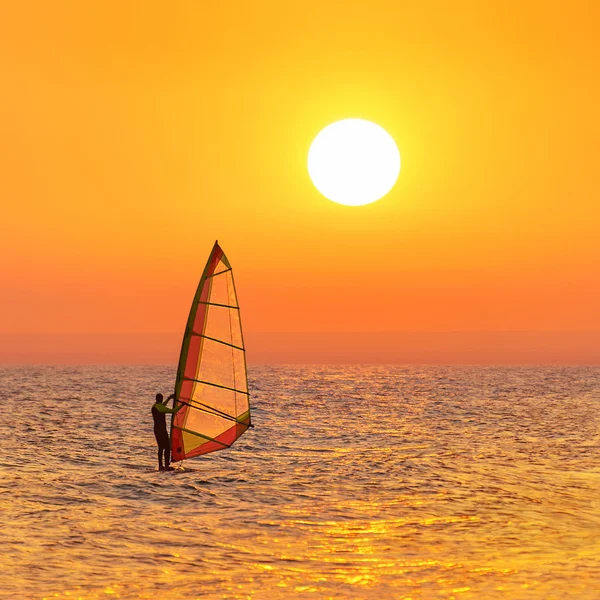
(171, 397)
(165, 409)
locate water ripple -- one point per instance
(357, 482)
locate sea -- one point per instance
(374, 482)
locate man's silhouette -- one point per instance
(159, 410)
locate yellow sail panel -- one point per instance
(226, 323)
(212, 381)
(222, 291)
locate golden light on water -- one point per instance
(418, 499)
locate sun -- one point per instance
(353, 162)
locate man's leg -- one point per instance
(167, 456)
(158, 443)
(164, 445)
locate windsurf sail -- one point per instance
(212, 381)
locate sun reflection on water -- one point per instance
(451, 483)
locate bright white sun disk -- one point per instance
(353, 162)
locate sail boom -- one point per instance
(212, 411)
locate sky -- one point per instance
(132, 138)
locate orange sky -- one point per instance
(131, 140)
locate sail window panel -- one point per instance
(220, 266)
(191, 442)
(206, 424)
(232, 296)
(211, 396)
(224, 324)
(219, 365)
(219, 290)
(236, 328)
(242, 404)
(239, 370)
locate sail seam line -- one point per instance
(212, 411)
(219, 341)
(208, 410)
(202, 436)
(215, 385)
(217, 304)
(219, 273)
(195, 404)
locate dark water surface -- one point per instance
(357, 482)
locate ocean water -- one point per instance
(357, 482)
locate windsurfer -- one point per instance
(159, 410)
